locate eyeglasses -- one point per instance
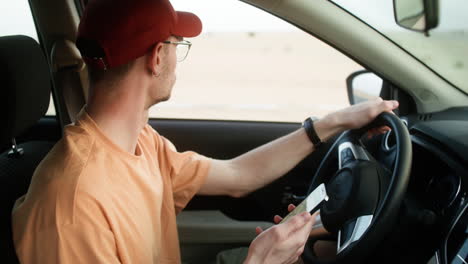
(182, 50)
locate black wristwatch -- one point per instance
(308, 125)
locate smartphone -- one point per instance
(311, 203)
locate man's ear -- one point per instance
(155, 59)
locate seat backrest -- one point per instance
(25, 85)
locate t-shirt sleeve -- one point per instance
(187, 170)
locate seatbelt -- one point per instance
(70, 78)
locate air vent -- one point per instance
(425, 117)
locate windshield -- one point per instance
(445, 50)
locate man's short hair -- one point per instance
(110, 75)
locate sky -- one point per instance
(234, 15)
(231, 15)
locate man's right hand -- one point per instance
(282, 243)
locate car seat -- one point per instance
(25, 85)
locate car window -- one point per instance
(16, 19)
(255, 68)
(444, 49)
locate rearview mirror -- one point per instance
(362, 86)
(418, 15)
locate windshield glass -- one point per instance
(445, 50)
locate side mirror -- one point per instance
(362, 86)
(417, 15)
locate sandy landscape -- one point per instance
(276, 76)
(280, 76)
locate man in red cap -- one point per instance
(110, 189)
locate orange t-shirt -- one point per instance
(92, 202)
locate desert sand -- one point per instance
(266, 76)
(271, 76)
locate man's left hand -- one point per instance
(353, 117)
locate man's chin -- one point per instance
(162, 99)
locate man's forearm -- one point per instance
(265, 164)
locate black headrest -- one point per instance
(24, 85)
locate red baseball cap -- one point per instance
(114, 32)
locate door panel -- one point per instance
(202, 234)
(227, 139)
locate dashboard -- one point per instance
(439, 182)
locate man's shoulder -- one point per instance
(148, 133)
(69, 156)
(55, 180)
(150, 138)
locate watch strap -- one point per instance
(311, 133)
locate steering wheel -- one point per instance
(364, 194)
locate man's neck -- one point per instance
(120, 115)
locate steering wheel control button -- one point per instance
(346, 156)
(358, 229)
(345, 233)
(348, 151)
